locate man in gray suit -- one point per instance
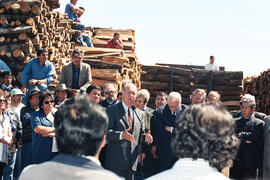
(125, 132)
(80, 128)
(76, 74)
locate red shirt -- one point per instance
(112, 44)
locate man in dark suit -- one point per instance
(165, 127)
(125, 132)
(80, 128)
(76, 74)
(249, 130)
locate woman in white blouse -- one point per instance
(5, 134)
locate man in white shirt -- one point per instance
(204, 143)
(211, 66)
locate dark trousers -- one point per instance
(2, 168)
(240, 172)
(127, 174)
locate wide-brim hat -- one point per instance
(33, 91)
(61, 87)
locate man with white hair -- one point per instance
(249, 130)
(165, 125)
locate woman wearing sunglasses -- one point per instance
(43, 130)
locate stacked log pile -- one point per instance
(112, 65)
(259, 87)
(27, 25)
(185, 81)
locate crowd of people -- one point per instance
(46, 129)
(84, 131)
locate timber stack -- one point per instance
(259, 87)
(112, 65)
(27, 25)
(185, 81)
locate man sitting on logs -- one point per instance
(115, 42)
(76, 74)
(211, 66)
(75, 13)
(38, 72)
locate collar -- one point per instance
(92, 158)
(125, 106)
(73, 67)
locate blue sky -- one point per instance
(237, 32)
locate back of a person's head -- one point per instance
(80, 126)
(206, 131)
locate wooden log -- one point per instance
(115, 60)
(35, 10)
(22, 36)
(91, 50)
(165, 70)
(18, 54)
(98, 56)
(106, 74)
(102, 65)
(25, 8)
(30, 21)
(18, 30)
(3, 22)
(15, 8)
(217, 88)
(101, 82)
(153, 85)
(18, 22)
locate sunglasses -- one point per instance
(47, 102)
(2, 100)
(110, 92)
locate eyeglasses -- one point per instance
(2, 100)
(110, 92)
(47, 102)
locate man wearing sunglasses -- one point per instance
(110, 93)
(76, 74)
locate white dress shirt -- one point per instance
(188, 169)
(211, 67)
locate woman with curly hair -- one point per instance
(204, 143)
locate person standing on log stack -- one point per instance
(75, 13)
(125, 132)
(249, 130)
(115, 42)
(211, 66)
(76, 74)
(38, 72)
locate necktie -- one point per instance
(130, 118)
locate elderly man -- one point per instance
(211, 66)
(165, 127)
(213, 97)
(110, 92)
(38, 72)
(249, 130)
(125, 132)
(76, 75)
(77, 122)
(94, 92)
(198, 96)
(204, 144)
(61, 94)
